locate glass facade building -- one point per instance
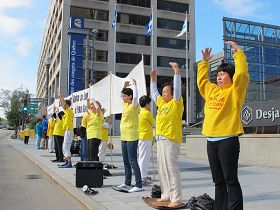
(261, 43)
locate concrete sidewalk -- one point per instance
(260, 185)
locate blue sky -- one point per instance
(22, 25)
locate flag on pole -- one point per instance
(114, 23)
(185, 27)
(149, 27)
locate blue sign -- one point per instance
(77, 22)
(76, 56)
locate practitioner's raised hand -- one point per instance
(175, 67)
(235, 47)
(153, 75)
(132, 81)
(126, 84)
(206, 54)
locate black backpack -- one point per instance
(202, 202)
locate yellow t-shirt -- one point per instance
(145, 126)
(223, 104)
(94, 126)
(58, 127)
(85, 120)
(68, 119)
(169, 119)
(26, 132)
(105, 134)
(129, 122)
(50, 127)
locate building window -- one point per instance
(100, 55)
(86, 13)
(132, 39)
(171, 43)
(133, 19)
(164, 61)
(101, 35)
(139, 3)
(170, 24)
(131, 58)
(172, 6)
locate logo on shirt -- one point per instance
(216, 103)
(246, 115)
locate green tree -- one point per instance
(10, 102)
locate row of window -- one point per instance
(130, 58)
(124, 18)
(137, 39)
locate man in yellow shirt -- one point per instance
(129, 136)
(222, 124)
(68, 127)
(145, 129)
(169, 135)
(26, 134)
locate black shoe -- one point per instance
(54, 160)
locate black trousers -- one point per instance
(93, 148)
(26, 138)
(58, 142)
(223, 159)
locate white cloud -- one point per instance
(240, 8)
(14, 3)
(10, 25)
(23, 46)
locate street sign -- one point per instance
(33, 111)
(36, 100)
(32, 106)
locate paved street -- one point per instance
(22, 184)
(261, 185)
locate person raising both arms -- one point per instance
(222, 124)
(169, 135)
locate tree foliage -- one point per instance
(10, 102)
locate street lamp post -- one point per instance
(48, 64)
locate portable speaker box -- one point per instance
(89, 173)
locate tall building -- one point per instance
(131, 41)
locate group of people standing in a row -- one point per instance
(222, 126)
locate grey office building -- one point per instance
(131, 41)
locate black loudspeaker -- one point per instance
(89, 173)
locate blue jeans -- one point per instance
(38, 141)
(129, 152)
(84, 149)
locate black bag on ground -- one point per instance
(202, 202)
(75, 147)
(156, 191)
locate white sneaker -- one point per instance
(136, 189)
(123, 186)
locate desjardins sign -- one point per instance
(261, 113)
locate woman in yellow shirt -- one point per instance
(58, 133)
(94, 129)
(169, 135)
(222, 124)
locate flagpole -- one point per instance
(114, 57)
(152, 65)
(111, 142)
(187, 73)
(115, 35)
